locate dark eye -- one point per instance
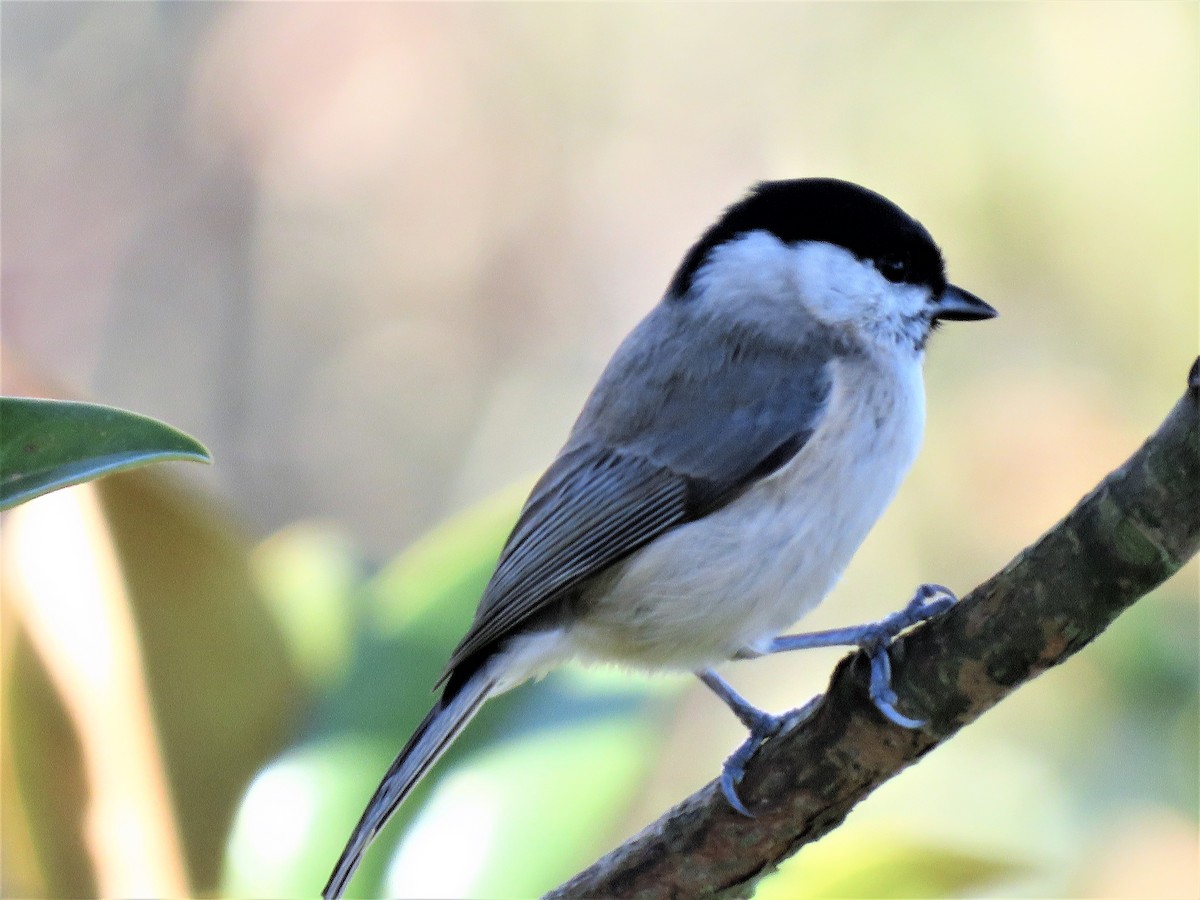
(893, 268)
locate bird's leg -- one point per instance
(875, 637)
(762, 726)
(929, 601)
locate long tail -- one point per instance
(424, 748)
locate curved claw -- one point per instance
(882, 694)
(735, 766)
(887, 707)
(765, 726)
(729, 780)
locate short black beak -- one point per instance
(957, 305)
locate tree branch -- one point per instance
(1131, 533)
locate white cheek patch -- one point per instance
(841, 289)
(837, 286)
(908, 301)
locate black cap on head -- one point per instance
(826, 209)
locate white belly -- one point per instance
(746, 573)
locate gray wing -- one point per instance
(683, 420)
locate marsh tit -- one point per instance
(735, 452)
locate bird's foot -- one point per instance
(763, 727)
(930, 600)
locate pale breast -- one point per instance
(747, 572)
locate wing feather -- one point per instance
(607, 506)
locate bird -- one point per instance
(733, 455)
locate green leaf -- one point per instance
(50, 444)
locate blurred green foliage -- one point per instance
(889, 864)
(576, 738)
(44, 785)
(224, 690)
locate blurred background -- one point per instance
(375, 255)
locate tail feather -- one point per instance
(431, 739)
